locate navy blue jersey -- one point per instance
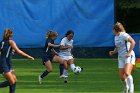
(48, 49)
(48, 54)
(6, 53)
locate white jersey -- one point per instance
(122, 44)
(66, 42)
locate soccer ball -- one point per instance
(77, 70)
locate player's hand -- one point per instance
(71, 47)
(72, 55)
(128, 55)
(111, 53)
(32, 58)
(13, 51)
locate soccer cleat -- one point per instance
(125, 90)
(82, 69)
(63, 76)
(65, 81)
(39, 80)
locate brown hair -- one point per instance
(51, 33)
(119, 27)
(7, 34)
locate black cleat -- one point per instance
(82, 69)
(65, 81)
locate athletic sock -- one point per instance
(72, 66)
(130, 83)
(4, 84)
(61, 67)
(44, 74)
(126, 84)
(65, 72)
(12, 88)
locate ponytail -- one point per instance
(7, 34)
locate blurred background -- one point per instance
(92, 23)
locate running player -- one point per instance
(65, 53)
(50, 54)
(126, 57)
(6, 46)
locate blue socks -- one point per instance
(7, 83)
(4, 84)
(45, 73)
(12, 88)
(61, 67)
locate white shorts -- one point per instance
(66, 57)
(123, 60)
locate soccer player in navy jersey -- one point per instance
(6, 47)
(49, 54)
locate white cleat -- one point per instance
(63, 76)
(39, 80)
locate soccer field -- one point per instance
(99, 76)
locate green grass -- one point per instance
(99, 76)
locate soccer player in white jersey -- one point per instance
(65, 53)
(126, 57)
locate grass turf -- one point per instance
(99, 76)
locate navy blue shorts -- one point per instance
(47, 58)
(4, 68)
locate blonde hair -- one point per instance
(7, 34)
(51, 33)
(119, 27)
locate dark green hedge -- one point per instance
(128, 12)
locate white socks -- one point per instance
(65, 72)
(129, 82)
(126, 84)
(72, 66)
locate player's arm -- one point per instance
(62, 47)
(14, 46)
(53, 45)
(54, 51)
(132, 41)
(0, 51)
(13, 51)
(113, 52)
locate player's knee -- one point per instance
(127, 73)
(122, 78)
(12, 82)
(66, 67)
(15, 78)
(61, 61)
